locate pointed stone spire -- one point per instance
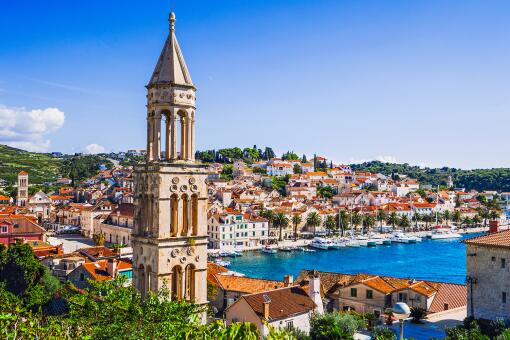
(171, 67)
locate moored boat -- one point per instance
(320, 243)
(441, 234)
(269, 250)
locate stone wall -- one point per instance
(484, 266)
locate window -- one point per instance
(503, 263)
(503, 297)
(418, 298)
(402, 297)
(82, 277)
(370, 294)
(494, 259)
(290, 325)
(354, 292)
(4, 230)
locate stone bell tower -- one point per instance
(170, 195)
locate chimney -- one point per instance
(288, 280)
(111, 267)
(315, 291)
(266, 309)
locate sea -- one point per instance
(434, 260)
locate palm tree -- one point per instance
(343, 220)
(392, 219)
(466, 221)
(369, 222)
(428, 218)
(493, 215)
(484, 214)
(457, 217)
(356, 219)
(281, 221)
(477, 220)
(313, 220)
(447, 216)
(404, 223)
(269, 216)
(329, 223)
(417, 217)
(296, 219)
(381, 217)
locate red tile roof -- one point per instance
(498, 240)
(285, 302)
(449, 296)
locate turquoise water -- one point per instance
(435, 260)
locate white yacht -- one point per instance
(400, 237)
(337, 244)
(320, 243)
(362, 240)
(269, 249)
(441, 234)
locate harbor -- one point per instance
(431, 259)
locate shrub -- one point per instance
(335, 326)
(418, 314)
(384, 333)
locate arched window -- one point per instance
(185, 214)
(176, 283)
(190, 282)
(148, 278)
(141, 280)
(174, 215)
(194, 213)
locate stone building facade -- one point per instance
(488, 276)
(170, 194)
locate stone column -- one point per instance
(149, 139)
(183, 138)
(157, 137)
(192, 144)
(173, 136)
(190, 221)
(168, 125)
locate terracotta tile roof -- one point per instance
(22, 173)
(246, 284)
(285, 302)
(212, 270)
(97, 252)
(498, 240)
(98, 269)
(22, 224)
(125, 209)
(449, 295)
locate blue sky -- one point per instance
(423, 82)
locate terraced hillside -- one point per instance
(42, 167)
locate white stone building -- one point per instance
(235, 230)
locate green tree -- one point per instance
(297, 169)
(404, 223)
(282, 222)
(335, 326)
(296, 220)
(325, 192)
(269, 215)
(313, 220)
(356, 219)
(368, 222)
(343, 221)
(381, 217)
(329, 223)
(392, 219)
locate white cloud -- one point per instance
(93, 149)
(386, 159)
(27, 129)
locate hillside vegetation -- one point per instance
(42, 167)
(478, 179)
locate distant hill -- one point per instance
(42, 167)
(479, 179)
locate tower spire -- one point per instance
(171, 21)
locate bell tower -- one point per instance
(170, 195)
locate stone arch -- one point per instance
(177, 283)
(183, 123)
(185, 214)
(174, 215)
(190, 282)
(194, 214)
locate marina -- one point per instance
(431, 259)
